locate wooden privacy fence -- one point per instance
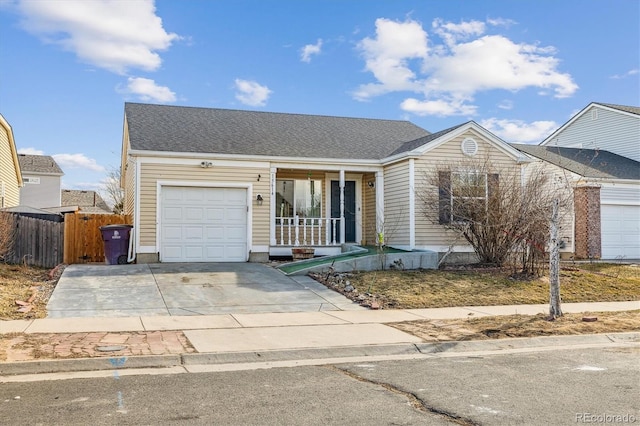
(82, 237)
(36, 242)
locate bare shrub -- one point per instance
(7, 233)
(501, 214)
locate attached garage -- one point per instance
(620, 231)
(202, 224)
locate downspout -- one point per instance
(131, 255)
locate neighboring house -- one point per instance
(10, 175)
(606, 202)
(86, 201)
(600, 150)
(604, 127)
(208, 184)
(42, 177)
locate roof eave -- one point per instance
(257, 158)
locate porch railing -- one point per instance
(305, 231)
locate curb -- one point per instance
(417, 349)
(88, 364)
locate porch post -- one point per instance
(379, 206)
(342, 224)
(272, 205)
(412, 204)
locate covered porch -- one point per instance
(325, 208)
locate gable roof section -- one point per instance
(621, 109)
(591, 163)
(417, 143)
(12, 148)
(44, 164)
(161, 128)
(427, 143)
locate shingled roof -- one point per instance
(162, 128)
(591, 163)
(44, 164)
(625, 108)
(88, 201)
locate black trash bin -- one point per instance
(116, 243)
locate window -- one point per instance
(301, 197)
(463, 195)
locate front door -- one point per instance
(349, 208)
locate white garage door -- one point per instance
(620, 231)
(203, 224)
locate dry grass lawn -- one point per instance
(593, 282)
(483, 328)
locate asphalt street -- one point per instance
(560, 387)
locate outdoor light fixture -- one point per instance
(259, 199)
(371, 184)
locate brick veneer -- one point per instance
(586, 201)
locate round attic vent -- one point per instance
(469, 147)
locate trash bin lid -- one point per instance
(106, 227)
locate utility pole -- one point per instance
(554, 266)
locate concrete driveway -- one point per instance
(164, 289)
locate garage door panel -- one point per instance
(172, 232)
(194, 195)
(193, 233)
(620, 231)
(215, 214)
(235, 233)
(172, 252)
(172, 213)
(195, 214)
(235, 213)
(214, 195)
(203, 224)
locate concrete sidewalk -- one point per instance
(241, 337)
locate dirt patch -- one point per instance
(25, 290)
(484, 328)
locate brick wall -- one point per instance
(586, 201)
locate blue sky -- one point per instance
(519, 68)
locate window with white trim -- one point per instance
(298, 197)
(463, 195)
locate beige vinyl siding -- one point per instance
(559, 176)
(369, 207)
(8, 174)
(396, 203)
(130, 187)
(151, 173)
(428, 231)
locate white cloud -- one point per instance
(501, 22)
(111, 34)
(451, 33)
(404, 58)
(251, 93)
(629, 73)
(388, 55)
(519, 131)
(310, 49)
(147, 90)
(439, 107)
(506, 104)
(30, 151)
(77, 161)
